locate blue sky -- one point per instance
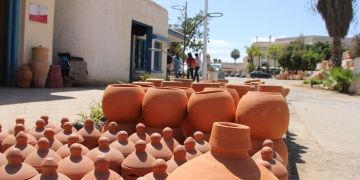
(244, 20)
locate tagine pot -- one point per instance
(240, 89)
(279, 146)
(140, 134)
(278, 169)
(157, 82)
(102, 170)
(171, 84)
(177, 160)
(191, 152)
(200, 144)
(158, 171)
(123, 145)
(66, 133)
(48, 124)
(19, 120)
(10, 140)
(232, 92)
(144, 85)
(22, 145)
(64, 151)
(158, 149)
(202, 85)
(112, 131)
(269, 143)
(227, 159)
(38, 130)
(177, 132)
(168, 139)
(90, 134)
(185, 82)
(49, 168)
(54, 144)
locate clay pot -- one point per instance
(185, 82)
(90, 134)
(114, 156)
(191, 152)
(227, 159)
(123, 145)
(205, 108)
(102, 170)
(200, 144)
(48, 124)
(168, 139)
(144, 85)
(278, 169)
(15, 169)
(139, 134)
(38, 131)
(36, 157)
(178, 159)
(54, 144)
(66, 133)
(164, 107)
(138, 163)
(19, 120)
(200, 86)
(178, 133)
(21, 144)
(171, 84)
(279, 147)
(23, 76)
(253, 81)
(64, 150)
(3, 135)
(60, 128)
(49, 168)
(269, 143)
(39, 66)
(270, 88)
(188, 90)
(158, 171)
(121, 103)
(54, 78)
(285, 92)
(157, 82)
(3, 160)
(76, 165)
(266, 113)
(240, 89)
(111, 133)
(157, 149)
(232, 92)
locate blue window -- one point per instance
(157, 57)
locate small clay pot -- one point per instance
(102, 170)
(112, 132)
(157, 149)
(278, 169)
(157, 82)
(49, 168)
(38, 130)
(76, 165)
(114, 156)
(158, 171)
(177, 160)
(200, 144)
(191, 152)
(60, 128)
(90, 134)
(53, 143)
(23, 76)
(19, 120)
(185, 82)
(64, 150)
(240, 89)
(138, 163)
(168, 139)
(22, 145)
(15, 169)
(3, 135)
(200, 86)
(285, 92)
(269, 143)
(139, 134)
(66, 132)
(123, 145)
(36, 157)
(48, 124)
(171, 84)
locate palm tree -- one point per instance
(337, 14)
(252, 52)
(275, 52)
(235, 54)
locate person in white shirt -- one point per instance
(197, 67)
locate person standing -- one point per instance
(177, 63)
(197, 67)
(169, 64)
(190, 62)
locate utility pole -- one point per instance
(204, 68)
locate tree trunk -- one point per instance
(336, 52)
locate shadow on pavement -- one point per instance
(295, 153)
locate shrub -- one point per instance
(340, 79)
(316, 81)
(306, 81)
(96, 114)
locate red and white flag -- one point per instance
(38, 13)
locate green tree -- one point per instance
(235, 54)
(275, 51)
(254, 51)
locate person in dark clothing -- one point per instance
(190, 62)
(169, 62)
(197, 67)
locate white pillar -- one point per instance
(204, 64)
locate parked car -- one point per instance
(260, 74)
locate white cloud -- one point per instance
(221, 49)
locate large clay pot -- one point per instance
(200, 86)
(178, 159)
(54, 144)
(270, 88)
(76, 165)
(227, 159)
(157, 82)
(114, 156)
(278, 169)
(240, 89)
(121, 103)
(54, 79)
(205, 108)
(38, 131)
(158, 171)
(266, 113)
(15, 169)
(64, 150)
(144, 85)
(171, 84)
(158, 149)
(168, 139)
(39, 66)
(200, 144)
(21, 142)
(23, 76)
(232, 92)
(185, 82)
(139, 134)
(269, 143)
(188, 90)
(102, 170)
(123, 145)
(111, 133)
(49, 168)
(191, 152)
(138, 163)
(90, 134)
(164, 107)
(66, 133)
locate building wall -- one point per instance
(100, 32)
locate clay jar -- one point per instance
(121, 103)
(168, 139)
(15, 169)
(200, 86)
(227, 159)
(171, 83)
(232, 92)
(38, 131)
(64, 134)
(114, 156)
(111, 133)
(64, 150)
(49, 168)
(157, 82)
(278, 169)
(139, 134)
(164, 107)
(158, 171)
(240, 89)
(269, 143)
(279, 147)
(48, 124)
(90, 134)
(177, 160)
(122, 144)
(191, 152)
(270, 88)
(22, 145)
(188, 90)
(75, 166)
(23, 76)
(36, 157)
(205, 108)
(266, 113)
(138, 163)
(185, 82)
(19, 120)
(3, 135)
(101, 170)
(54, 144)
(200, 144)
(144, 85)
(157, 149)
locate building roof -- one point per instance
(175, 36)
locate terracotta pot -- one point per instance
(76, 165)
(223, 81)
(253, 81)
(266, 113)
(177, 160)
(114, 156)
(36, 157)
(227, 159)
(53, 143)
(128, 127)
(158, 171)
(38, 131)
(278, 169)
(39, 66)
(139, 134)
(64, 150)
(200, 144)
(200, 86)
(144, 85)
(54, 78)
(60, 128)
(205, 108)
(188, 90)
(15, 169)
(112, 131)
(24, 76)
(157, 149)
(66, 133)
(19, 120)
(270, 88)
(48, 124)
(102, 170)
(138, 163)
(3, 160)
(240, 89)
(191, 152)
(269, 143)
(90, 134)
(279, 147)
(49, 168)
(285, 91)
(3, 135)
(157, 82)
(171, 84)
(123, 145)
(164, 107)
(232, 92)
(185, 82)
(122, 102)
(168, 139)
(177, 132)
(21, 143)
